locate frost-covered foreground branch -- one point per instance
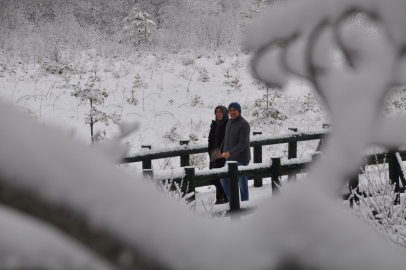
(71, 182)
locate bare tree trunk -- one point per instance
(91, 129)
(91, 122)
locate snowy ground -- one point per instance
(176, 101)
(206, 196)
(168, 113)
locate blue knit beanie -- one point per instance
(235, 105)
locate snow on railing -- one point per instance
(256, 140)
(290, 134)
(160, 149)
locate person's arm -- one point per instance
(243, 135)
(210, 145)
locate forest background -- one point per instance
(180, 24)
(170, 82)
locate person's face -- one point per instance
(233, 112)
(219, 114)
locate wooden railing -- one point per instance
(189, 179)
(192, 179)
(274, 170)
(395, 170)
(257, 141)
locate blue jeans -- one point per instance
(242, 182)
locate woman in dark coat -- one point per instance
(216, 138)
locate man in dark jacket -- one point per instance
(216, 140)
(237, 146)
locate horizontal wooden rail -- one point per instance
(159, 155)
(292, 138)
(394, 160)
(298, 166)
(381, 158)
(264, 172)
(192, 179)
(258, 140)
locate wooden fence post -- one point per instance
(147, 165)
(394, 172)
(292, 153)
(257, 159)
(321, 142)
(184, 160)
(402, 176)
(275, 175)
(233, 187)
(189, 184)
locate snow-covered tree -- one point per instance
(251, 11)
(95, 97)
(157, 9)
(139, 26)
(137, 83)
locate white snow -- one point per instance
(169, 174)
(296, 161)
(304, 224)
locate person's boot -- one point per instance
(223, 200)
(219, 201)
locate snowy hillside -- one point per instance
(173, 97)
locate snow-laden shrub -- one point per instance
(187, 60)
(57, 67)
(263, 108)
(55, 49)
(172, 134)
(95, 115)
(233, 82)
(196, 101)
(220, 59)
(395, 102)
(139, 26)
(377, 206)
(177, 193)
(137, 83)
(132, 99)
(198, 161)
(203, 75)
(237, 64)
(95, 97)
(309, 104)
(185, 73)
(56, 57)
(251, 11)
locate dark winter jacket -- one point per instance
(237, 141)
(216, 136)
